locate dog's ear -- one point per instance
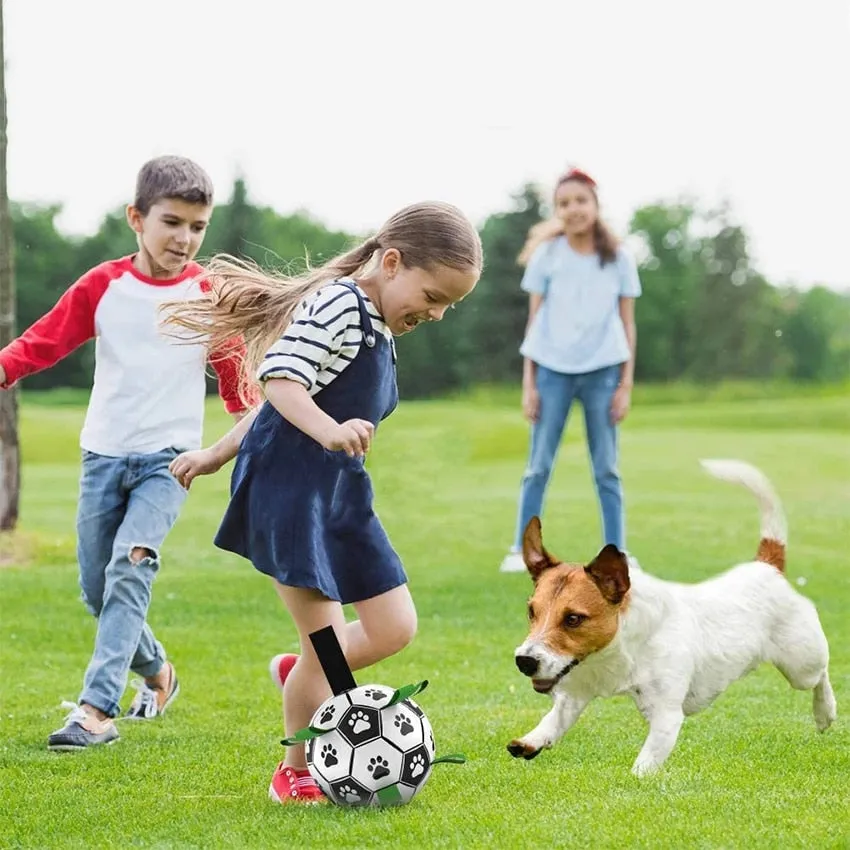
(534, 554)
(610, 571)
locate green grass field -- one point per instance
(751, 771)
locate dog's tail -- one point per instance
(774, 528)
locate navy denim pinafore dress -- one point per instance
(304, 515)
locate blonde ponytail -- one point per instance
(543, 231)
(246, 310)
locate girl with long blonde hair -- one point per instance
(320, 347)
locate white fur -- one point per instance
(679, 646)
(773, 524)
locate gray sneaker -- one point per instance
(82, 730)
(149, 702)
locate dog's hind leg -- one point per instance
(802, 656)
(823, 703)
(823, 699)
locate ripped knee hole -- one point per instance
(139, 554)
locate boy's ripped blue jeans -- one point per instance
(127, 507)
(595, 391)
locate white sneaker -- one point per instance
(513, 563)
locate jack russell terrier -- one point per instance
(609, 628)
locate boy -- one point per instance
(146, 406)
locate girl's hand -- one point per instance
(354, 437)
(530, 403)
(187, 466)
(620, 404)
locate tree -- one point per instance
(46, 263)
(238, 220)
(10, 476)
(669, 274)
(817, 336)
(498, 309)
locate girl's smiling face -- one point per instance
(576, 207)
(406, 297)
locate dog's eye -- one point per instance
(530, 611)
(573, 620)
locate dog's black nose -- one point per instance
(527, 665)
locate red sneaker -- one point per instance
(280, 667)
(294, 786)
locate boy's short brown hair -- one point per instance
(172, 177)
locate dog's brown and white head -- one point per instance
(573, 612)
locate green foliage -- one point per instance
(498, 307)
(818, 336)
(705, 314)
(749, 772)
(46, 263)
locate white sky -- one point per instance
(352, 108)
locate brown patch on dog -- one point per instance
(536, 558)
(771, 552)
(571, 615)
(574, 609)
(610, 571)
(517, 749)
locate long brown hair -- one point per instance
(604, 241)
(247, 306)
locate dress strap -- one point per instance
(365, 318)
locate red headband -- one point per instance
(578, 174)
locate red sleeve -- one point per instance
(227, 363)
(56, 334)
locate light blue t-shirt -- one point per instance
(578, 326)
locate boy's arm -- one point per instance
(56, 334)
(227, 364)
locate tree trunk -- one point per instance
(10, 480)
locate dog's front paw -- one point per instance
(519, 749)
(645, 767)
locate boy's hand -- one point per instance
(354, 437)
(2, 378)
(187, 466)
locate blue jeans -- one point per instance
(126, 503)
(594, 390)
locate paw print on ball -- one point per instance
(403, 724)
(402, 727)
(348, 792)
(376, 764)
(379, 767)
(374, 694)
(360, 724)
(416, 766)
(330, 756)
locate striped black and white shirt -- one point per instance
(323, 338)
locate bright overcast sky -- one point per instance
(352, 108)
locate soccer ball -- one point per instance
(368, 752)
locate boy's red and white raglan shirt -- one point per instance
(149, 388)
